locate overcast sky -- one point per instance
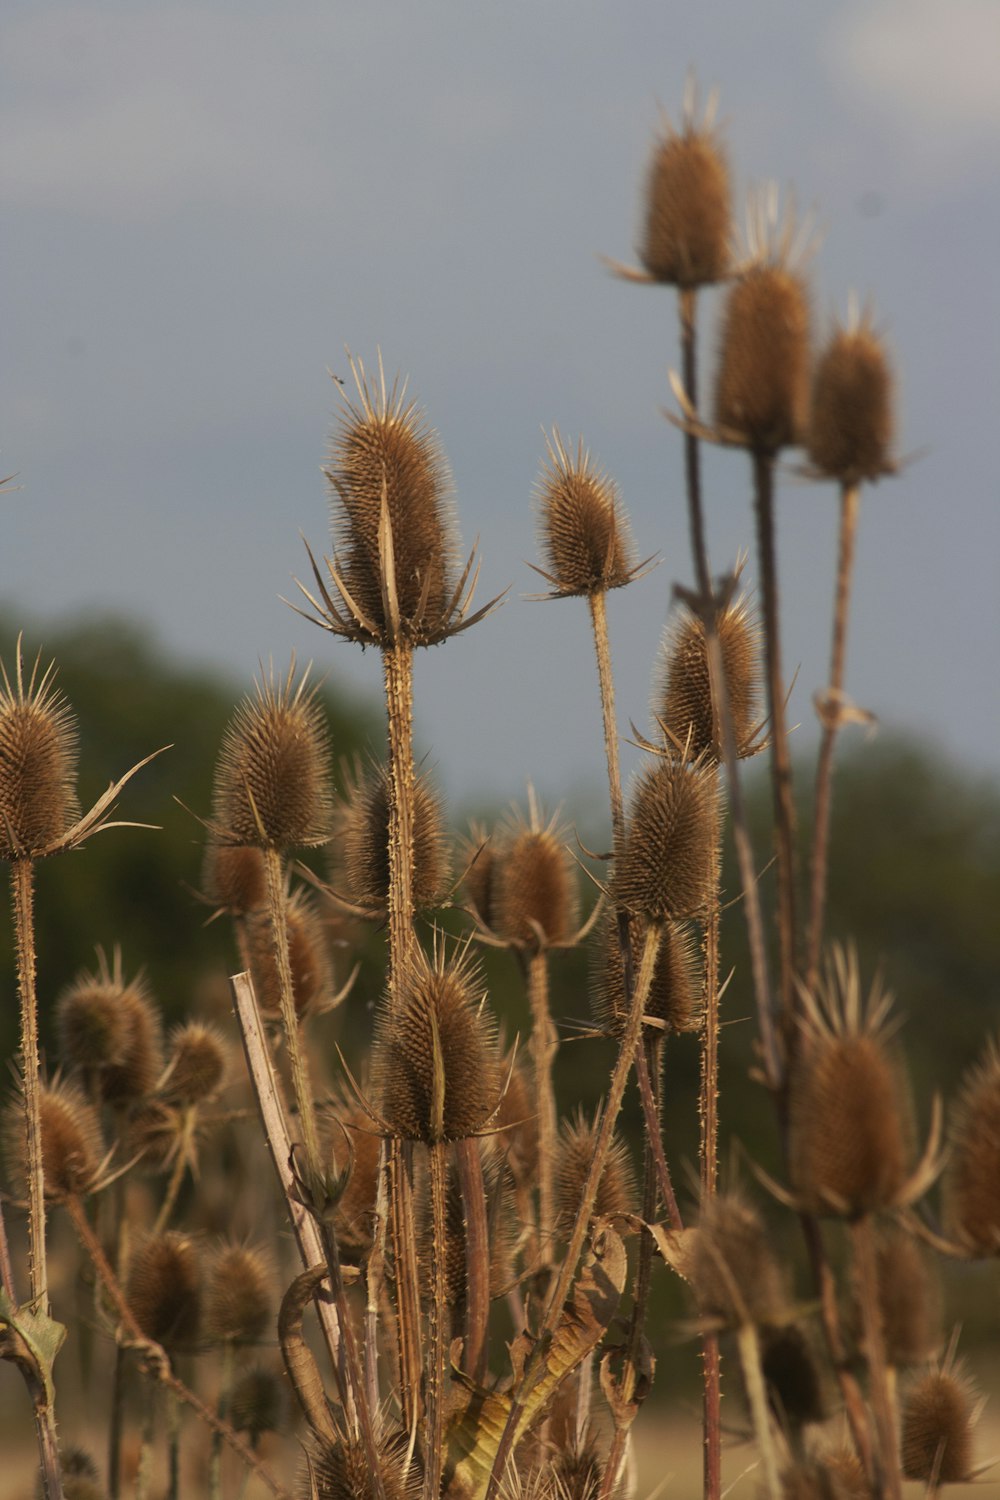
(204, 203)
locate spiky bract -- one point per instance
(677, 990)
(762, 382)
(197, 1064)
(72, 1149)
(582, 525)
(38, 760)
(164, 1290)
(731, 1267)
(340, 1470)
(308, 957)
(361, 842)
(851, 411)
(272, 781)
(938, 1418)
(434, 1066)
(684, 700)
(669, 866)
(237, 1296)
(972, 1181)
(687, 228)
(616, 1190)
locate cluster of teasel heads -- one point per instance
(463, 1237)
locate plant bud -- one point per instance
(668, 869)
(38, 760)
(732, 1271)
(197, 1064)
(361, 843)
(684, 704)
(762, 384)
(71, 1142)
(257, 1403)
(164, 1290)
(534, 896)
(237, 1297)
(234, 878)
(272, 781)
(583, 528)
(851, 417)
(938, 1418)
(687, 228)
(616, 1190)
(307, 957)
(676, 993)
(971, 1200)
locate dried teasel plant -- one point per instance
(971, 1210)
(683, 705)
(939, 1414)
(360, 844)
(676, 996)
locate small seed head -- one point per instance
(341, 1471)
(731, 1268)
(971, 1200)
(481, 872)
(688, 215)
(133, 1077)
(348, 1122)
(234, 878)
(938, 1418)
(851, 412)
(71, 1142)
(762, 384)
(92, 1025)
(307, 956)
(616, 1190)
(668, 869)
(38, 760)
(164, 1290)
(237, 1298)
(197, 1064)
(583, 528)
(684, 702)
(534, 893)
(676, 993)
(257, 1403)
(909, 1299)
(361, 843)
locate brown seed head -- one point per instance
(134, 1072)
(257, 1403)
(481, 870)
(669, 867)
(237, 1298)
(534, 891)
(762, 383)
(197, 1064)
(616, 1190)
(849, 1141)
(272, 781)
(909, 1298)
(71, 1142)
(688, 216)
(792, 1376)
(234, 878)
(676, 994)
(155, 1133)
(79, 1476)
(684, 699)
(732, 1271)
(348, 1122)
(341, 1471)
(91, 1025)
(938, 1418)
(164, 1290)
(384, 447)
(434, 1066)
(38, 759)
(582, 525)
(361, 843)
(821, 1480)
(851, 412)
(307, 956)
(971, 1197)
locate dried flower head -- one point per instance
(686, 239)
(684, 700)
(971, 1198)
(731, 1266)
(133, 1072)
(939, 1414)
(164, 1290)
(481, 870)
(814, 1479)
(851, 412)
(668, 869)
(156, 1131)
(677, 990)
(238, 1305)
(534, 898)
(92, 1026)
(517, 1123)
(197, 1064)
(909, 1299)
(307, 956)
(583, 528)
(72, 1149)
(616, 1190)
(792, 1376)
(234, 878)
(38, 760)
(272, 781)
(361, 842)
(80, 1479)
(257, 1403)
(340, 1470)
(434, 1066)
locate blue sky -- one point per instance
(202, 204)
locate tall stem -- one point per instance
(688, 309)
(438, 1322)
(753, 1378)
(469, 1166)
(398, 670)
(543, 1046)
(599, 623)
(23, 884)
(709, 1109)
(849, 499)
(888, 1480)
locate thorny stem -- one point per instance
(469, 1166)
(649, 1097)
(298, 1067)
(225, 1385)
(710, 1358)
(398, 669)
(599, 622)
(543, 1046)
(887, 1477)
(688, 308)
(849, 498)
(433, 1456)
(22, 881)
(404, 1241)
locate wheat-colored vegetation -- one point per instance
(271, 1250)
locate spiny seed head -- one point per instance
(849, 1141)
(676, 993)
(479, 880)
(91, 1025)
(164, 1290)
(434, 1066)
(133, 1075)
(731, 1268)
(762, 382)
(687, 229)
(668, 869)
(341, 1470)
(972, 1181)
(155, 1133)
(684, 699)
(237, 1296)
(534, 893)
(307, 956)
(792, 1377)
(38, 760)
(616, 1189)
(234, 878)
(851, 412)
(938, 1418)
(197, 1064)
(582, 525)
(819, 1480)
(272, 781)
(350, 1128)
(361, 842)
(383, 447)
(909, 1299)
(71, 1142)
(257, 1403)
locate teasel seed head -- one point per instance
(361, 842)
(792, 1376)
(534, 894)
(850, 433)
(668, 869)
(731, 1267)
(272, 780)
(849, 1136)
(38, 761)
(686, 238)
(676, 993)
(72, 1149)
(92, 1026)
(815, 1479)
(164, 1290)
(481, 870)
(939, 1414)
(909, 1299)
(971, 1196)
(847, 1475)
(79, 1476)
(434, 1066)
(257, 1403)
(134, 1074)
(234, 878)
(307, 955)
(197, 1064)
(340, 1470)
(154, 1133)
(238, 1305)
(616, 1192)
(582, 525)
(683, 706)
(348, 1130)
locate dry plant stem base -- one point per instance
(397, 663)
(543, 1046)
(559, 1291)
(404, 1241)
(849, 505)
(298, 1066)
(887, 1478)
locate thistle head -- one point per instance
(196, 1066)
(38, 761)
(939, 1418)
(533, 895)
(731, 1267)
(686, 232)
(668, 868)
(676, 992)
(582, 525)
(340, 1470)
(851, 418)
(72, 1150)
(272, 780)
(361, 842)
(238, 1306)
(683, 705)
(164, 1290)
(257, 1403)
(971, 1206)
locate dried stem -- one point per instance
(709, 1111)
(543, 1046)
(687, 300)
(433, 1455)
(469, 1165)
(753, 1377)
(404, 1241)
(887, 1476)
(179, 1170)
(397, 663)
(599, 622)
(23, 888)
(298, 1066)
